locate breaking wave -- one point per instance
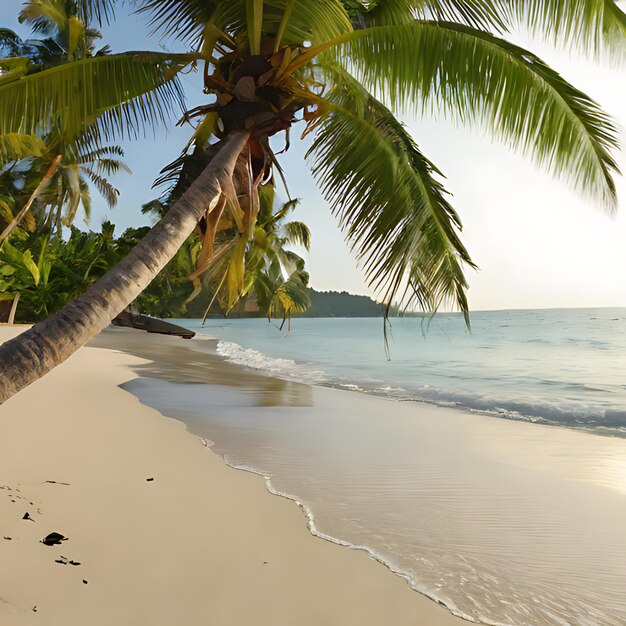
(573, 415)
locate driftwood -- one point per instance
(151, 324)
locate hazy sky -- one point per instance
(537, 243)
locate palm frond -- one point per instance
(97, 153)
(76, 36)
(480, 78)
(72, 191)
(105, 188)
(6, 209)
(108, 167)
(155, 208)
(85, 198)
(285, 209)
(98, 11)
(11, 43)
(267, 197)
(482, 14)
(298, 233)
(392, 208)
(16, 146)
(254, 24)
(13, 68)
(183, 19)
(289, 261)
(314, 22)
(225, 275)
(33, 50)
(44, 16)
(588, 25)
(123, 93)
(291, 296)
(7, 205)
(190, 20)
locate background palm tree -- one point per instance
(59, 22)
(340, 68)
(278, 279)
(35, 157)
(238, 269)
(261, 272)
(68, 189)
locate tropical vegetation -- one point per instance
(339, 69)
(42, 173)
(47, 273)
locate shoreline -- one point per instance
(371, 553)
(538, 453)
(119, 338)
(219, 545)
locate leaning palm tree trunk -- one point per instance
(38, 350)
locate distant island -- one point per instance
(323, 304)
(341, 304)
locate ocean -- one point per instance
(486, 468)
(565, 367)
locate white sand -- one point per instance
(201, 544)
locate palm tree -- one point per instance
(59, 22)
(68, 187)
(237, 268)
(35, 50)
(57, 169)
(14, 148)
(277, 276)
(340, 68)
(260, 267)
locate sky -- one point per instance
(538, 244)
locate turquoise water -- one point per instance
(565, 367)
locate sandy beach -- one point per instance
(162, 531)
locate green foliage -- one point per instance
(253, 267)
(17, 146)
(68, 188)
(49, 274)
(119, 92)
(16, 184)
(18, 271)
(197, 21)
(54, 205)
(24, 55)
(61, 85)
(260, 272)
(587, 25)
